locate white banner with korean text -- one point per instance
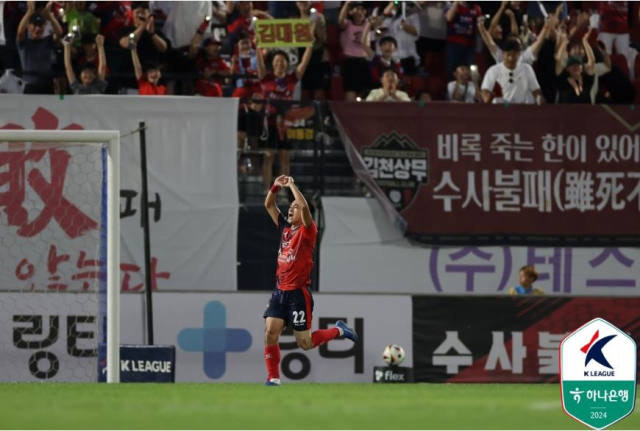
(193, 198)
(362, 252)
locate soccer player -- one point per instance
(291, 301)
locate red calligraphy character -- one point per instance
(24, 271)
(52, 266)
(129, 268)
(73, 221)
(91, 274)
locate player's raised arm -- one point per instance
(270, 200)
(302, 202)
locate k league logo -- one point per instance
(598, 365)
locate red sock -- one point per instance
(322, 336)
(272, 359)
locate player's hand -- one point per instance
(289, 182)
(281, 181)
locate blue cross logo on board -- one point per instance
(214, 339)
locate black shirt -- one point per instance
(567, 93)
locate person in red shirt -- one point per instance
(461, 19)
(291, 301)
(279, 85)
(210, 67)
(614, 30)
(148, 80)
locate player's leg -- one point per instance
(273, 328)
(275, 322)
(301, 317)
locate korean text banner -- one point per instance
(507, 339)
(461, 174)
(193, 196)
(283, 33)
(362, 252)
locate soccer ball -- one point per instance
(393, 354)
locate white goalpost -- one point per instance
(53, 184)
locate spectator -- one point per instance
(526, 277)
(433, 28)
(77, 16)
(422, 96)
(516, 79)
(614, 29)
(149, 78)
(240, 16)
(245, 62)
(37, 52)
(89, 83)
(210, 67)
(461, 34)
(530, 54)
(404, 29)
(278, 85)
(576, 49)
(389, 91)
(151, 44)
(575, 79)
(316, 80)
(380, 62)
(356, 73)
(88, 52)
(183, 20)
(509, 18)
(114, 16)
(464, 89)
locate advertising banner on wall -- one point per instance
(465, 174)
(218, 337)
(191, 158)
(363, 252)
(514, 340)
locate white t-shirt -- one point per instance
(468, 91)
(516, 84)
(433, 24)
(374, 96)
(183, 19)
(406, 42)
(526, 57)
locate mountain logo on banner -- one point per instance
(398, 166)
(598, 374)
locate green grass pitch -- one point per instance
(292, 406)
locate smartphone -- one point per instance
(132, 40)
(313, 14)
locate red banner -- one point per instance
(501, 174)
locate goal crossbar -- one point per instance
(112, 140)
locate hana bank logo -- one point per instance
(214, 340)
(593, 350)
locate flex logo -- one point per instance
(214, 340)
(598, 374)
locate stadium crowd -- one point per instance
(470, 52)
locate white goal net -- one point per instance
(59, 241)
